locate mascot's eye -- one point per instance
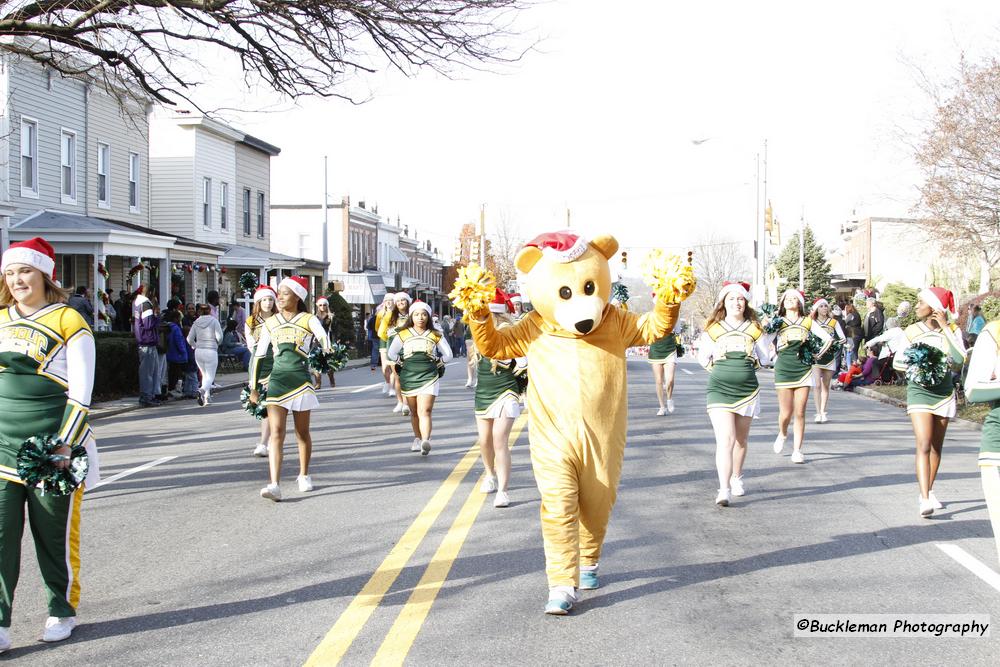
(589, 288)
(565, 293)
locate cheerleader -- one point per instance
(288, 337)
(792, 376)
(732, 347)
(422, 352)
(388, 329)
(498, 404)
(263, 308)
(663, 358)
(46, 378)
(384, 310)
(325, 318)
(825, 366)
(930, 408)
(982, 385)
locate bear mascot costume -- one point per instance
(575, 342)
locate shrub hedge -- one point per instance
(117, 369)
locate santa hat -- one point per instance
(263, 292)
(420, 305)
(819, 302)
(729, 287)
(389, 296)
(298, 285)
(797, 294)
(401, 295)
(560, 246)
(515, 298)
(323, 299)
(501, 303)
(938, 298)
(34, 252)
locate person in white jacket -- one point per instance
(205, 337)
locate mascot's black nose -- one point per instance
(584, 326)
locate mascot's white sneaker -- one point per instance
(736, 485)
(670, 405)
(561, 600)
(779, 443)
(723, 498)
(415, 447)
(58, 629)
(260, 450)
(489, 485)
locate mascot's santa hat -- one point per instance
(937, 298)
(562, 247)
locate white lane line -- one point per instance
(687, 371)
(371, 386)
(132, 471)
(973, 564)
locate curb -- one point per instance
(122, 409)
(879, 396)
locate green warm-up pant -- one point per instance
(55, 527)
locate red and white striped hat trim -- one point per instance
(560, 246)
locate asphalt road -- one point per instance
(184, 564)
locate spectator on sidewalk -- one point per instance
(145, 328)
(870, 370)
(213, 304)
(371, 335)
(976, 324)
(190, 315)
(852, 329)
(177, 353)
(458, 336)
(205, 337)
(238, 314)
(902, 312)
(80, 302)
(874, 319)
(231, 344)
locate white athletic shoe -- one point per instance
(398, 408)
(779, 443)
(934, 501)
(736, 485)
(723, 499)
(825, 419)
(661, 412)
(4, 639)
(415, 447)
(425, 447)
(385, 389)
(468, 383)
(819, 418)
(271, 492)
(926, 507)
(502, 499)
(58, 629)
(305, 483)
(798, 457)
(489, 485)
(670, 405)
(260, 450)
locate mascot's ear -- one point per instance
(606, 244)
(526, 258)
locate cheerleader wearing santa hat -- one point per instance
(824, 366)
(264, 299)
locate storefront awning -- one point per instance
(361, 288)
(245, 257)
(397, 255)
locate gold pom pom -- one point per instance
(474, 290)
(671, 278)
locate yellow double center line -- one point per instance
(404, 631)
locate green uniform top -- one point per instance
(288, 341)
(663, 348)
(251, 331)
(420, 354)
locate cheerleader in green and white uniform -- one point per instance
(792, 377)
(388, 328)
(422, 352)
(825, 366)
(732, 347)
(930, 408)
(498, 404)
(982, 385)
(46, 378)
(263, 307)
(663, 358)
(289, 335)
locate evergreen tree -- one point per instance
(817, 269)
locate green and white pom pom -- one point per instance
(256, 410)
(619, 293)
(770, 322)
(925, 365)
(319, 361)
(337, 358)
(248, 282)
(809, 349)
(36, 465)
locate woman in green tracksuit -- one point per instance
(422, 351)
(288, 335)
(982, 385)
(46, 378)
(793, 377)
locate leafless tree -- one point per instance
(716, 260)
(298, 48)
(504, 243)
(960, 157)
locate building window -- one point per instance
(29, 157)
(206, 202)
(224, 205)
(103, 175)
(260, 215)
(246, 211)
(133, 182)
(67, 160)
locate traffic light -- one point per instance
(624, 260)
(474, 249)
(775, 235)
(768, 218)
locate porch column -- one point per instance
(98, 291)
(164, 286)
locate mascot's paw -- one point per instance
(670, 277)
(474, 289)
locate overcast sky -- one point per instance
(601, 120)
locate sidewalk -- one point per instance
(224, 380)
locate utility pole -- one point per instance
(567, 218)
(802, 250)
(758, 275)
(326, 226)
(482, 235)
(762, 261)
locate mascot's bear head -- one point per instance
(568, 278)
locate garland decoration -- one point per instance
(925, 365)
(136, 270)
(101, 269)
(36, 465)
(671, 278)
(474, 289)
(256, 410)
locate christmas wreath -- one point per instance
(248, 282)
